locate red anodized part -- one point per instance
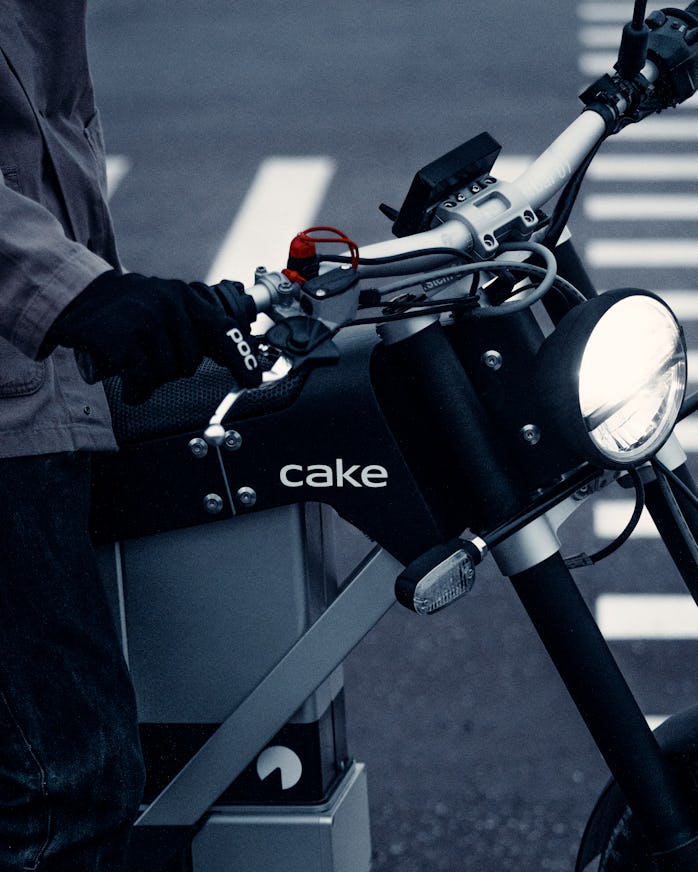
(303, 248)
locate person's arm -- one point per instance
(54, 291)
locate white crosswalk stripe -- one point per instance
(117, 168)
(647, 616)
(283, 200)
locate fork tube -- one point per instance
(582, 657)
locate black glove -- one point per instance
(150, 331)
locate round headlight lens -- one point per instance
(632, 378)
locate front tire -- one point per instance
(613, 835)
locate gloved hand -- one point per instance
(150, 331)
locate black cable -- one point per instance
(673, 477)
(426, 307)
(578, 560)
(639, 10)
(566, 200)
(664, 476)
(397, 258)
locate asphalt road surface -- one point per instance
(477, 759)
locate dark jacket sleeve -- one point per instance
(41, 270)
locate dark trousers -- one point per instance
(71, 770)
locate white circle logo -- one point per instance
(285, 760)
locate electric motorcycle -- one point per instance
(497, 392)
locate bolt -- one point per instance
(529, 217)
(449, 205)
(213, 504)
(198, 447)
(247, 496)
(492, 359)
(530, 434)
(260, 271)
(232, 440)
(475, 189)
(489, 241)
(460, 197)
(320, 293)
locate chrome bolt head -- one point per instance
(492, 359)
(213, 504)
(247, 496)
(232, 440)
(198, 447)
(530, 434)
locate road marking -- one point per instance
(662, 127)
(647, 616)
(620, 12)
(284, 198)
(644, 167)
(684, 304)
(594, 64)
(645, 253)
(609, 518)
(601, 36)
(641, 207)
(117, 167)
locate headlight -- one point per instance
(612, 376)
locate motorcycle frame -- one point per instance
(530, 557)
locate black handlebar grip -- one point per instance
(236, 303)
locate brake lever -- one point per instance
(214, 434)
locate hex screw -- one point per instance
(489, 241)
(492, 359)
(530, 434)
(198, 447)
(247, 496)
(213, 504)
(232, 440)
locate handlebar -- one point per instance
(468, 227)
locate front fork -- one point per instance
(585, 663)
(443, 392)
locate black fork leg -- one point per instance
(582, 657)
